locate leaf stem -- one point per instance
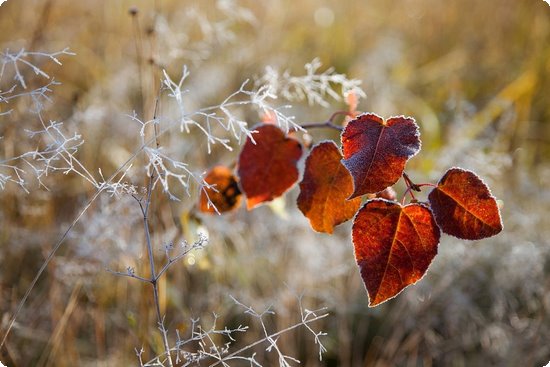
(411, 186)
(426, 184)
(410, 192)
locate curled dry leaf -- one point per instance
(267, 166)
(226, 195)
(352, 100)
(464, 207)
(376, 151)
(388, 193)
(324, 188)
(394, 246)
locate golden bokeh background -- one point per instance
(474, 74)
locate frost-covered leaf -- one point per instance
(376, 151)
(325, 187)
(394, 246)
(267, 166)
(464, 207)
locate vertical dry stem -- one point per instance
(154, 279)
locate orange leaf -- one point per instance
(325, 187)
(267, 169)
(394, 246)
(376, 151)
(464, 207)
(227, 195)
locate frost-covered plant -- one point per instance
(216, 29)
(212, 352)
(165, 171)
(314, 87)
(53, 147)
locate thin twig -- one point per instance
(269, 338)
(172, 261)
(139, 53)
(129, 275)
(411, 186)
(154, 279)
(326, 124)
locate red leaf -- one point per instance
(375, 151)
(394, 246)
(268, 169)
(227, 195)
(325, 187)
(464, 207)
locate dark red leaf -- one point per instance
(464, 207)
(325, 188)
(376, 151)
(267, 169)
(394, 246)
(226, 195)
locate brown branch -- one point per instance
(327, 124)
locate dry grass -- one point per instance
(473, 73)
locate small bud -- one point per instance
(133, 11)
(388, 193)
(307, 140)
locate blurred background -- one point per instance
(472, 73)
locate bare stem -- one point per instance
(327, 124)
(426, 184)
(154, 279)
(139, 53)
(408, 191)
(129, 275)
(172, 261)
(411, 186)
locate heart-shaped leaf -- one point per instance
(325, 187)
(464, 207)
(225, 195)
(394, 246)
(376, 151)
(267, 166)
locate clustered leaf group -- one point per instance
(394, 243)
